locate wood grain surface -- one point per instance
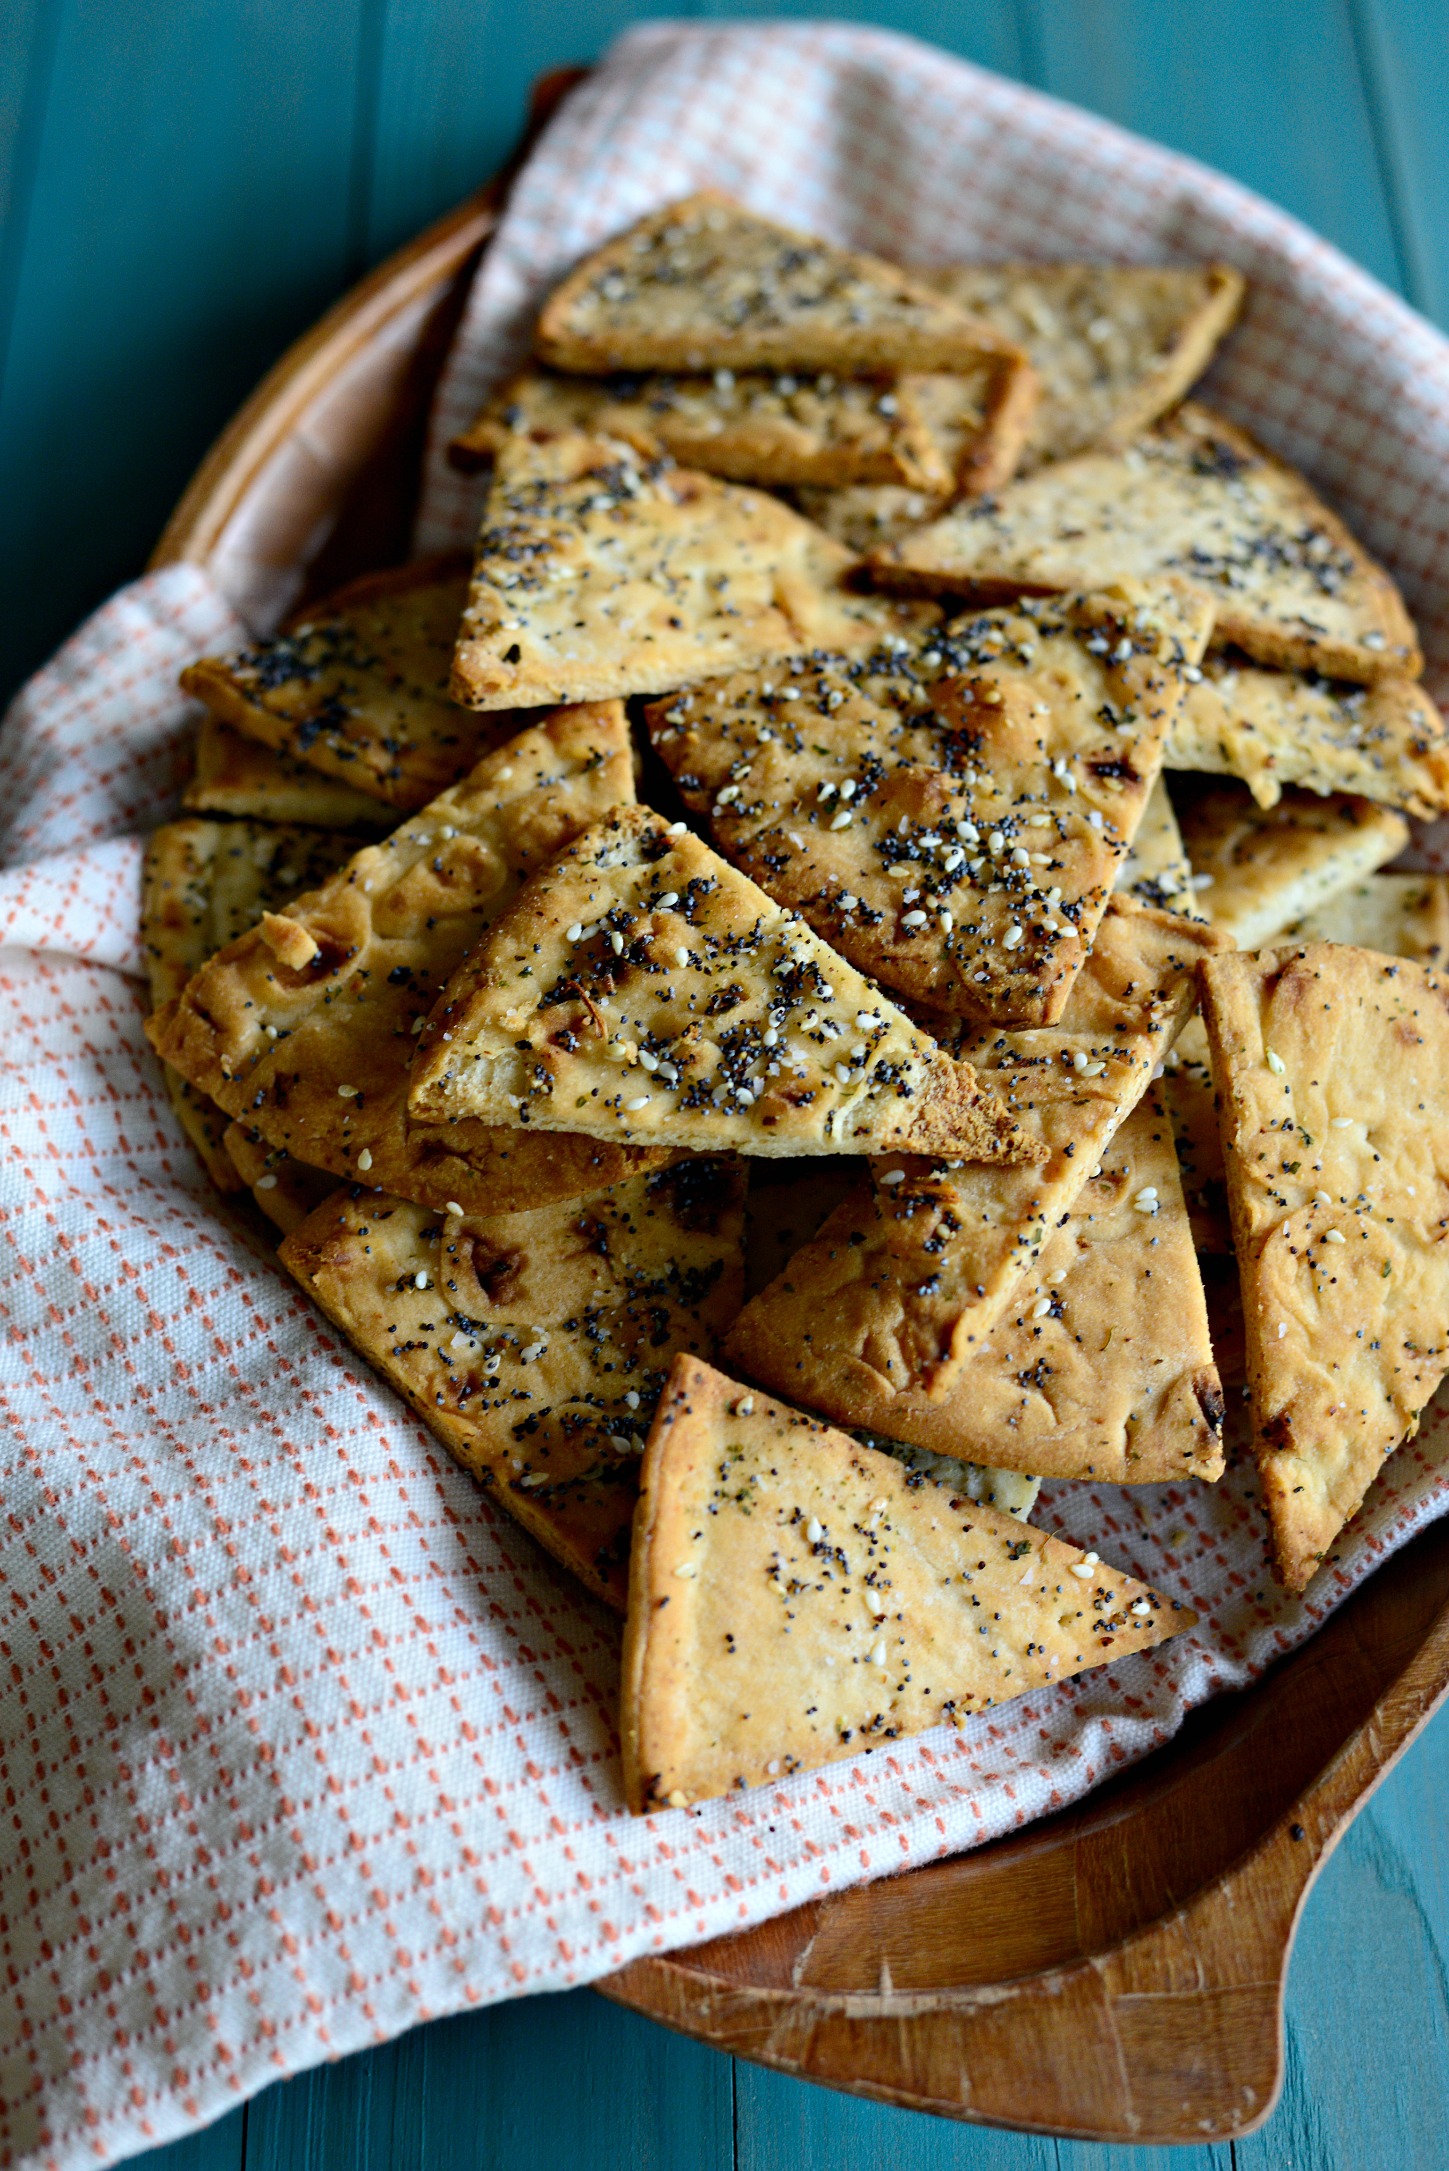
(183, 186)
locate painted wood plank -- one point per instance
(544, 2084)
(189, 215)
(1403, 46)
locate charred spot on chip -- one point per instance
(1209, 1396)
(498, 1273)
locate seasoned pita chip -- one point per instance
(1156, 870)
(640, 989)
(1198, 500)
(305, 1026)
(951, 811)
(705, 284)
(1192, 1103)
(963, 1237)
(1113, 345)
(237, 775)
(286, 1190)
(1256, 869)
(1405, 915)
(203, 884)
(867, 516)
(794, 1598)
(1273, 728)
(755, 426)
(535, 1345)
(358, 690)
(600, 573)
(1101, 1367)
(1333, 1071)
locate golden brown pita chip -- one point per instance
(305, 1027)
(1101, 1366)
(237, 775)
(1333, 1073)
(1272, 728)
(1156, 870)
(867, 516)
(358, 689)
(1196, 500)
(203, 884)
(963, 1237)
(1256, 869)
(950, 812)
(285, 1189)
(1192, 1103)
(641, 989)
(601, 573)
(535, 1345)
(795, 1598)
(705, 284)
(1405, 915)
(1113, 345)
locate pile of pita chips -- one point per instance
(1255, 869)
(236, 775)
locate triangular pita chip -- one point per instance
(951, 811)
(358, 688)
(795, 1598)
(1156, 869)
(1101, 1367)
(641, 989)
(1405, 915)
(600, 572)
(1333, 1073)
(1273, 728)
(1192, 1103)
(202, 884)
(285, 1189)
(1113, 345)
(757, 426)
(705, 283)
(1196, 499)
(1256, 869)
(963, 1237)
(535, 1345)
(304, 1027)
(237, 775)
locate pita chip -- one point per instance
(1101, 1366)
(535, 1345)
(285, 1189)
(304, 1027)
(706, 284)
(1156, 870)
(599, 573)
(237, 775)
(203, 884)
(867, 516)
(1192, 1103)
(641, 989)
(795, 1598)
(1196, 500)
(1271, 728)
(1405, 915)
(963, 1237)
(1333, 1072)
(1113, 345)
(358, 688)
(951, 811)
(1256, 869)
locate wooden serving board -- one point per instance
(1115, 1972)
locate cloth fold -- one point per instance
(302, 1741)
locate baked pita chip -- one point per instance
(237, 775)
(1333, 1071)
(286, 1190)
(1156, 870)
(963, 1237)
(1256, 869)
(202, 884)
(1405, 915)
(535, 1345)
(1192, 1103)
(704, 284)
(1197, 500)
(951, 811)
(867, 516)
(795, 1598)
(601, 573)
(358, 689)
(641, 989)
(1272, 728)
(757, 426)
(304, 1027)
(1101, 1366)
(1113, 345)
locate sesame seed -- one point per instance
(1041, 1307)
(668, 900)
(640, 1100)
(576, 931)
(1334, 1236)
(1321, 1198)
(1093, 1070)
(1343, 1123)
(894, 1176)
(847, 789)
(364, 1159)
(632, 1399)
(1275, 1062)
(420, 1279)
(815, 1530)
(452, 1207)
(1282, 1328)
(843, 819)
(1014, 937)
(1143, 1606)
(347, 1093)
(681, 955)
(842, 1072)
(686, 1570)
(1080, 1059)
(875, 1602)
(913, 919)
(1080, 1568)
(266, 1183)
(947, 923)
(745, 1407)
(616, 943)
(679, 829)
(878, 1653)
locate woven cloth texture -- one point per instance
(301, 1741)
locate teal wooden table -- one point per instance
(184, 185)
